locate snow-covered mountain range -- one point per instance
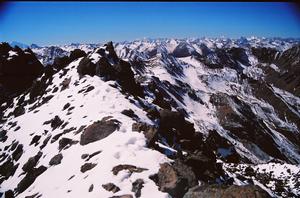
(151, 118)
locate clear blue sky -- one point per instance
(46, 23)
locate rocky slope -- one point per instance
(157, 118)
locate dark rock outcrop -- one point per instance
(99, 130)
(65, 143)
(137, 186)
(87, 166)
(18, 69)
(150, 132)
(226, 191)
(75, 54)
(111, 187)
(29, 178)
(86, 67)
(56, 159)
(32, 162)
(175, 179)
(130, 168)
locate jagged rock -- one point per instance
(222, 147)
(175, 179)
(46, 140)
(105, 70)
(183, 50)
(29, 178)
(137, 186)
(226, 191)
(75, 54)
(61, 62)
(9, 194)
(66, 143)
(86, 66)
(35, 140)
(18, 71)
(3, 136)
(203, 165)
(152, 113)
(56, 159)
(7, 169)
(171, 119)
(18, 152)
(130, 168)
(111, 187)
(19, 111)
(111, 51)
(65, 83)
(130, 113)
(98, 130)
(87, 166)
(150, 132)
(56, 122)
(32, 162)
(37, 89)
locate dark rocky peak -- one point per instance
(183, 49)
(110, 67)
(111, 51)
(17, 67)
(265, 55)
(4, 48)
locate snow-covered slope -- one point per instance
(179, 113)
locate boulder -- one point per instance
(66, 143)
(56, 122)
(111, 187)
(87, 166)
(130, 168)
(56, 159)
(175, 179)
(99, 130)
(232, 191)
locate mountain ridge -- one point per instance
(201, 106)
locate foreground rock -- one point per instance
(222, 191)
(176, 179)
(99, 130)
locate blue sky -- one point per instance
(46, 23)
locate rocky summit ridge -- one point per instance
(151, 118)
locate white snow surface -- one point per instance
(121, 147)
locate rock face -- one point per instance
(226, 191)
(110, 67)
(99, 130)
(204, 114)
(175, 180)
(18, 69)
(30, 178)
